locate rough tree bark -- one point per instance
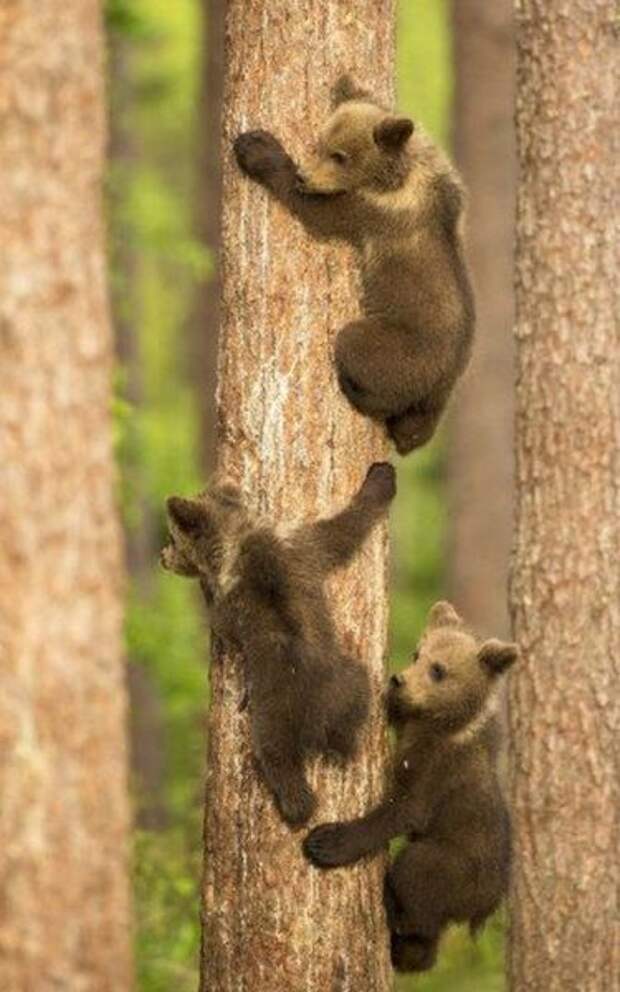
(480, 484)
(566, 578)
(271, 922)
(64, 918)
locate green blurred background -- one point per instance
(158, 265)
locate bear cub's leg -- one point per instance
(281, 762)
(286, 779)
(350, 711)
(409, 952)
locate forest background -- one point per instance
(161, 269)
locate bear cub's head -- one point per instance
(452, 676)
(361, 147)
(205, 535)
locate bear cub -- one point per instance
(444, 794)
(379, 183)
(265, 596)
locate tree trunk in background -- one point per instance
(146, 725)
(64, 916)
(140, 542)
(480, 454)
(207, 320)
(271, 922)
(566, 577)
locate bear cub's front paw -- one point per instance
(329, 845)
(380, 482)
(258, 153)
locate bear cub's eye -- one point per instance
(338, 157)
(415, 656)
(437, 672)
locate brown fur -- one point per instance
(379, 183)
(265, 596)
(443, 795)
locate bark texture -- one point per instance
(566, 577)
(271, 922)
(480, 485)
(64, 921)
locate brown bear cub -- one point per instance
(444, 794)
(379, 183)
(265, 596)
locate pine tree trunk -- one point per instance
(64, 916)
(480, 484)
(271, 922)
(566, 578)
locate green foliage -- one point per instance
(167, 634)
(424, 63)
(151, 199)
(417, 529)
(122, 17)
(166, 877)
(158, 444)
(418, 523)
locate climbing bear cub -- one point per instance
(379, 183)
(444, 794)
(265, 595)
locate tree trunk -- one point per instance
(64, 918)
(480, 481)
(566, 579)
(271, 922)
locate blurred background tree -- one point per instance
(480, 455)
(565, 579)
(165, 74)
(64, 812)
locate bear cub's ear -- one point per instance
(345, 89)
(187, 514)
(393, 133)
(497, 656)
(443, 614)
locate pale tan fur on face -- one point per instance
(465, 697)
(349, 132)
(427, 162)
(455, 650)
